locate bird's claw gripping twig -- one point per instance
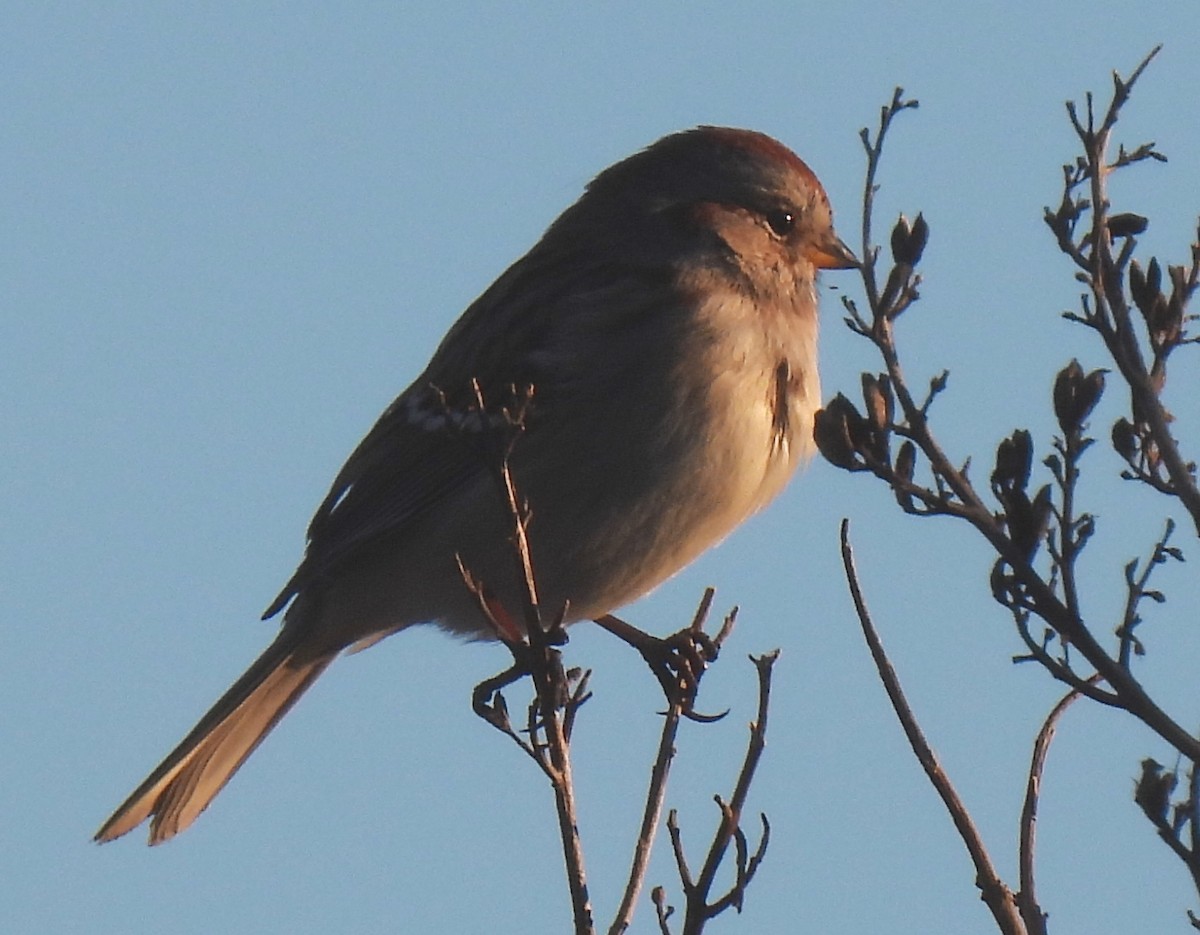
(677, 661)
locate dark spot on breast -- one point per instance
(779, 404)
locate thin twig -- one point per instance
(650, 817)
(956, 495)
(1137, 589)
(1112, 317)
(656, 794)
(1027, 902)
(663, 912)
(699, 910)
(994, 892)
(550, 683)
(538, 657)
(874, 150)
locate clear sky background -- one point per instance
(233, 232)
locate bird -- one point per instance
(665, 326)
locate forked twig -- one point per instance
(697, 891)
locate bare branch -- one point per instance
(657, 791)
(874, 149)
(994, 891)
(699, 909)
(857, 443)
(533, 646)
(1027, 902)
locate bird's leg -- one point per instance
(677, 661)
(486, 699)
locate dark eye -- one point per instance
(781, 221)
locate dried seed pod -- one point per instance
(900, 234)
(1040, 512)
(877, 397)
(1126, 225)
(1138, 287)
(1076, 395)
(1066, 392)
(1090, 392)
(833, 433)
(906, 461)
(1154, 275)
(918, 239)
(908, 240)
(1027, 521)
(1153, 791)
(1014, 459)
(1124, 439)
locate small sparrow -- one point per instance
(667, 324)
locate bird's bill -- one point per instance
(832, 254)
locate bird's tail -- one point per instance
(196, 770)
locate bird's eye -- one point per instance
(781, 221)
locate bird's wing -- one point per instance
(424, 448)
(400, 469)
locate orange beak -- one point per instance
(831, 254)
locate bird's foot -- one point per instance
(677, 661)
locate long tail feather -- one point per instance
(195, 771)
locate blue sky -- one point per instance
(233, 232)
